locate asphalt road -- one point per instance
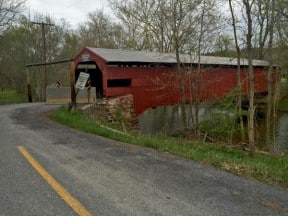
(112, 178)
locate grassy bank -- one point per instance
(11, 96)
(267, 169)
(283, 104)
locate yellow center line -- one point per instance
(62, 192)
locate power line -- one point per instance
(48, 63)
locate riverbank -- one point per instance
(264, 168)
(283, 104)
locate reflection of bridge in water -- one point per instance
(168, 121)
(153, 79)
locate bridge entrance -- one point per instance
(95, 73)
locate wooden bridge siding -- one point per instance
(150, 86)
(211, 87)
(215, 83)
(260, 79)
(152, 98)
(141, 77)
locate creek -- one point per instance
(167, 121)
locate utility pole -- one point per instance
(44, 52)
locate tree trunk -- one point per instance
(239, 84)
(198, 73)
(270, 81)
(251, 109)
(180, 72)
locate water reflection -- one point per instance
(282, 132)
(158, 121)
(167, 121)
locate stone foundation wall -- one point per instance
(116, 110)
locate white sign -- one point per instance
(86, 57)
(81, 81)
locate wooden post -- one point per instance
(89, 89)
(29, 86)
(72, 85)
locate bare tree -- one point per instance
(223, 45)
(100, 31)
(270, 76)
(282, 19)
(192, 23)
(151, 23)
(248, 4)
(178, 26)
(138, 21)
(239, 82)
(207, 22)
(262, 15)
(9, 10)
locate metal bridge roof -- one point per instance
(132, 56)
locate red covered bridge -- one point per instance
(153, 79)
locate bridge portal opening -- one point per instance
(95, 73)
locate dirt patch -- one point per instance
(238, 169)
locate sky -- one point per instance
(74, 11)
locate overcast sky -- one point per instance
(74, 11)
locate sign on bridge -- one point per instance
(81, 81)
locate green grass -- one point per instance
(11, 96)
(283, 104)
(267, 169)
